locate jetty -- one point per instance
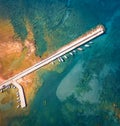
(82, 40)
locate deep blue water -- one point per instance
(84, 93)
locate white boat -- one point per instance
(17, 95)
(74, 51)
(71, 53)
(18, 106)
(17, 92)
(61, 59)
(18, 101)
(80, 49)
(14, 87)
(53, 63)
(18, 98)
(91, 42)
(65, 56)
(86, 45)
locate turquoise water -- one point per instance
(84, 93)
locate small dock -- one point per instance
(21, 94)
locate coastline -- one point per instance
(15, 57)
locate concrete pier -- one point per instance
(21, 94)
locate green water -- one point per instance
(89, 95)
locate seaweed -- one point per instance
(83, 85)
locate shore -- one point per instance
(15, 57)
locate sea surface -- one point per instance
(87, 91)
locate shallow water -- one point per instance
(85, 99)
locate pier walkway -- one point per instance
(93, 33)
(21, 94)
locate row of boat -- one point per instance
(62, 59)
(6, 87)
(17, 94)
(18, 99)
